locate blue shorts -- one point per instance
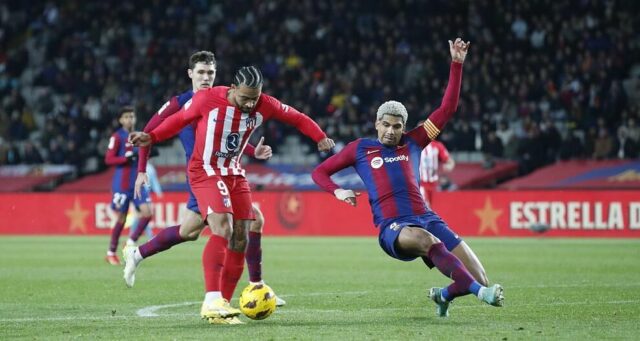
(120, 200)
(192, 203)
(390, 230)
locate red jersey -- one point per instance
(222, 130)
(434, 153)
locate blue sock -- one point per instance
(475, 288)
(445, 294)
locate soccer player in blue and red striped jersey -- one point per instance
(123, 155)
(388, 166)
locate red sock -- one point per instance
(212, 261)
(231, 272)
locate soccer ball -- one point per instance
(257, 301)
(539, 227)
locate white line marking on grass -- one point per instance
(151, 311)
(287, 311)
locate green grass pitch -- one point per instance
(336, 289)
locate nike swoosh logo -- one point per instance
(372, 151)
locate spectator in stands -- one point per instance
(492, 149)
(626, 147)
(56, 153)
(575, 64)
(31, 155)
(552, 138)
(590, 142)
(633, 131)
(531, 156)
(17, 130)
(465, 137)
(571, 146)
(603, 147)
(9, 154)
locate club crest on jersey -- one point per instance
(376, 162)
(233, 141)
(394, 226)
(251, 122)
(226, 201)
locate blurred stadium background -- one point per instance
(550, 99)
(546, 133)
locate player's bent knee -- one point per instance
(220, 224)
(190, 229)
(415, 241)
(257, 225)
(190, 235)
(424, 238)
(145, 211)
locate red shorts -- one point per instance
(224, 194)
(427, 189)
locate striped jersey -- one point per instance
(391, 173)
(430, 158)
(222, 130)
(125, 176)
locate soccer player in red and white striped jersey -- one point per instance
(430, 158)
(225, 118)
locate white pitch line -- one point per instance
(287, 311)
(151, 310)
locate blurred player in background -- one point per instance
(123, 155)
(388, 167)
(430, 158)
(225, 117)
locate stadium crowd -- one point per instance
(545, 80)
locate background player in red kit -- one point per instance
(430, 158)
(123, 155)
(388, 167)
(225, 117)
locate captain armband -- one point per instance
(432, 130)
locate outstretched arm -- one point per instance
(432, 126)
(322, 173)
(169, 108)
(172, 125)
(300, 121)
